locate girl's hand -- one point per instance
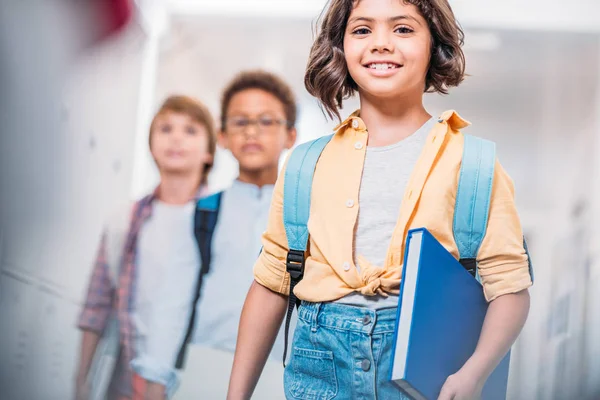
(461, 386)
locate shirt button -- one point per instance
(349, 203)
(346, 266)
(358, 145)
(355, 124)
(366, 320)
(365, 365)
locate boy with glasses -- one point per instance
(258, 115)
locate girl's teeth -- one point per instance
(382, 66)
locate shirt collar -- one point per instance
(454, 120)
(451, 117)
(348, 122)
(251, 189)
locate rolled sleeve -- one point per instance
(503, 261)
(269, 269)
(153, 371)
(98, 304)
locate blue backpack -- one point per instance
(470, 213)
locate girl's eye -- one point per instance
(403, 30)
(190, 130)
(166, 128)
(360, 31)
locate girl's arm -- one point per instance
(504, 320)
(505, 271)
(503, 261)
(261, 319)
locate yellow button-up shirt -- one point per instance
(428, 202)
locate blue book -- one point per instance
(440, 315)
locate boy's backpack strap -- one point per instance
(296, 209)
(473, 198)
(205, 221)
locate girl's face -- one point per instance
(387, 45)
(180, 144)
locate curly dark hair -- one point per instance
(327, 77)
(263, 80)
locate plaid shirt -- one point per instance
(103, 298)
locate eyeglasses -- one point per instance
(265, 124)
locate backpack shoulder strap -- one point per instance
(210, 203)
(205, 221)
(296, 210)
(473, 198)
(297, 192)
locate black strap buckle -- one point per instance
(295, 267)
(470, 264)
(295, 264)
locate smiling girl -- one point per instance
(389, 167)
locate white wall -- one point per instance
(592, 361)
(75, 172)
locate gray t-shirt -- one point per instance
(385, 176)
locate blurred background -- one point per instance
(80, 81)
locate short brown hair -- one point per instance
(327, 76)
(259, 79)
(199, 113)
